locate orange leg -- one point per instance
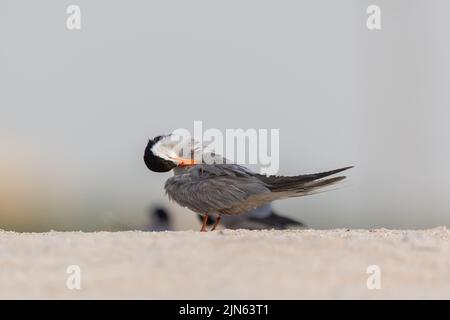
(205, 220)
(219, 217)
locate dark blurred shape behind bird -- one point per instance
(260, 218)
(160, 220)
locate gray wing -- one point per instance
(225, 188)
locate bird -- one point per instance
(219, 187)
(261, 218)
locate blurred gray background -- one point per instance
(77, 107)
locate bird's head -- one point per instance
(162, 154)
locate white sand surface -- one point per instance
(227, 264)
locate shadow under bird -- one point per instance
(223, 188)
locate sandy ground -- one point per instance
(227, 264)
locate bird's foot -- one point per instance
(205, 220)
(217, 222)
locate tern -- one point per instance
(220, 187)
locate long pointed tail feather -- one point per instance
(302, 183)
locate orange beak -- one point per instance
(182, 162)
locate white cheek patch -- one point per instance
(169, 147)
(163, 151)
(174, 146)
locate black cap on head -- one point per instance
(155, 163)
